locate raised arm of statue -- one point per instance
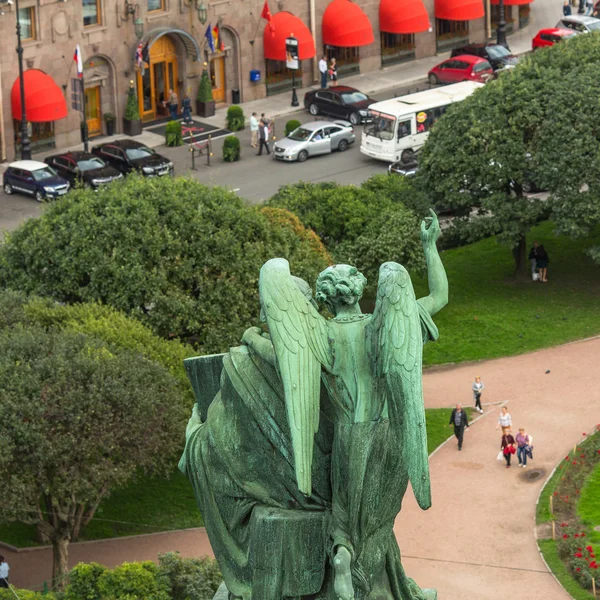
(255, 339)
(436, 274)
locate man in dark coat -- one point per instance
(459, 419)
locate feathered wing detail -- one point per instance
(300, 338)
(396, 341)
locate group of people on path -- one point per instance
(539, 262)
(521, 444)
(328, 71)
(260, 132)
(590, 9)
(172, 103)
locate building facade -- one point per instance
(363, 36)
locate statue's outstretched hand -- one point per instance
(430, 229)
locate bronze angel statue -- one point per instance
(304, 438)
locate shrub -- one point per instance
(231, 149)
(235, 118)
(189, 578)
(109, 117)
(399, 190)
(181, 257)
(205, 88)
(132, 110)
(133, 581)
(291, 125)
(173, 135)
(83, 582)
(6, 594)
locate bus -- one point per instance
(399, 127)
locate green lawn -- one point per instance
(588, 507)
(152, 505)
(548, 548)
(490, 315)
(543, 514)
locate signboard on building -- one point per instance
(291, 54)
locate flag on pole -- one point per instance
(209, 38)
(217, 41)
(78, 61)
(266, 14)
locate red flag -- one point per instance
(266, 13)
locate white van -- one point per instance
(399, 127)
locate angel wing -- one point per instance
(396, 348)
(300, 338)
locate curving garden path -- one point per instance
(477, 541)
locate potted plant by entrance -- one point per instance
(205, 105)
(109, 120)
(132, 123)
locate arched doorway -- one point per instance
(159, 76)
(99, 92)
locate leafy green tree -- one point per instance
(181, 257)
(79, 418)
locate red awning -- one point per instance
(283, 25)
(512, 2)
(403, 16)
(44, 100)
(459, 10)
(346, 25)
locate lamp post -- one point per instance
(501, 30)
(292, 62)
(25, 142)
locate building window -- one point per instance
(524, 11)
(347, 59)
(27, 22)
(41, 136)
(91, 13)
(396, 48)
(495, 17)
(451, 34)
(155, 5)
(279, 77)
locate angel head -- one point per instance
(339, 286)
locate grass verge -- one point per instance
(588, 507)
(152, 505)
(549, 551)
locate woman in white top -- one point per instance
(478, 387)
(505, 420)
(3, 573)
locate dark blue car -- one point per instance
(35, 179)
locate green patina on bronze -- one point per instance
(304, 439)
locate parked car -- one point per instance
(128, 155)
(83, 168)
(498, 56)
(311, 139)
(579, 23)
(341, 102)
(551, 36)
(34, 178)
(406, 168)
(465, 67)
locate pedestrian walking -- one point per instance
(589, 4)
(505, 420)
(254, 130)
(566, 9)
(3, 573)
(533, 254)
(508, 447)
(173, 104)
(263, 135)
(459, 419)
(333, 71)
(523, 444)
(186, 109)
(323, 71)
(542, 263)
(478, 387)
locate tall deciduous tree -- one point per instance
(79, 418)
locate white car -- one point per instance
(311, 139)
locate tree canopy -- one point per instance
(181, 257)
(79, 418)
(536, 122)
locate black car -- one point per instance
(83, 168)
(498, 56)
(128, 155)
(406, 168)
(341, 102)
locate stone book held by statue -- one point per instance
(303, 439)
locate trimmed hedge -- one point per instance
(291, 125)
(236, 121)
(173, 134)
(231, 149)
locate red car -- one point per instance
(465, 67)
(549, 37)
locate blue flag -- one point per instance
(209, 38)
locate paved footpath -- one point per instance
(477, 541)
